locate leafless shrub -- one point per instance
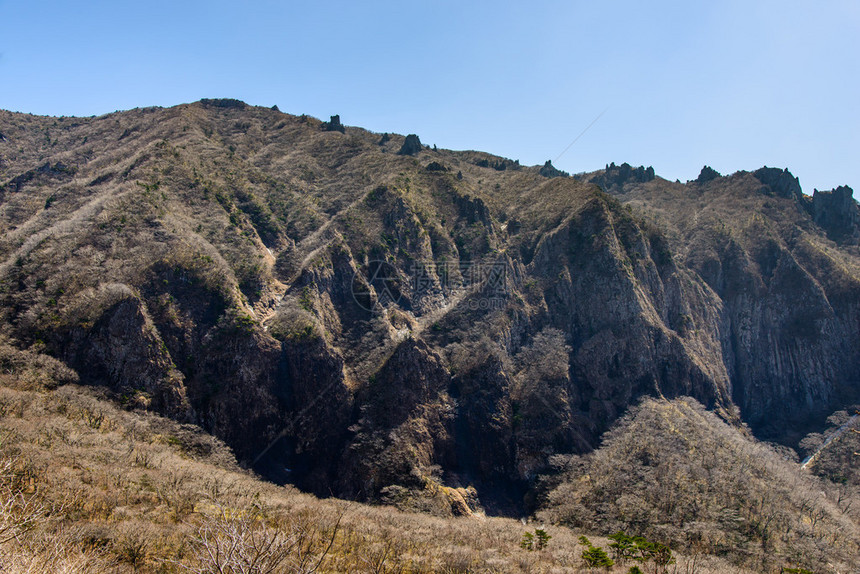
(236, 542)
(20, 510)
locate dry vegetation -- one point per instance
(675, 472)
(199, 262)
(87, 487)
(834, 454)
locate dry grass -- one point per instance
(88, 487)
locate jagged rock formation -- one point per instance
(614, 177)
(549, 170)
(334, 125)
(385, 330)
(411, 145)
(837, 213)
(781, 182)
(759, 266)
(707, 174)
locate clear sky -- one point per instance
(732, 84)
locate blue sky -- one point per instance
(735, 85)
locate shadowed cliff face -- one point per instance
(788, 294)
(368, 323)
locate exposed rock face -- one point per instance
(707, 174)
(772, 338)
(334, 125)
(364, 324)
(647, 336)
(314, 390)
(780, 181)
(405, 424)
(614, 177)
(411, 145)
(837, 213)
(123, 349)
(549, 170)
(473, 209)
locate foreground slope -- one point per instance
(88, 487)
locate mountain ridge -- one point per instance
(218, 262)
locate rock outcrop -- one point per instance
(373, 326)
(549, 170)
(334, 125)
(411, 145)
(781, 182)
(837, 213)
(707, 174)
(614, 177)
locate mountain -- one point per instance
(362, 316)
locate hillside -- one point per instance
(359, 315)
(88, 487)
(675, 472)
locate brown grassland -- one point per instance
(89, 487)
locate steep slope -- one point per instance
(789, 292)
(88, 487)
(378, 320)
(834, 454)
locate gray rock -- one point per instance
(334, 125)
(707, 174)
(781, 182)
(411, 146)
(837, 213)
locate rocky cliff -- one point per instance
(350, 320)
